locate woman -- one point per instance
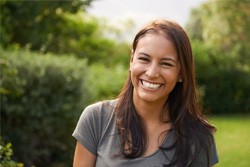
(156, 120)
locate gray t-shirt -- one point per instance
(96, 130)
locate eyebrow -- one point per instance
(165, 58)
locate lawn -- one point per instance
(232, 140)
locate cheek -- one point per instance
(171, 76)
(136, 68)
(135, 72)
(133, 77)
(132, 66)
(132, 71)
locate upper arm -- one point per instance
(83, 157)
(89, 128)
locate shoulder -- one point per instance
(99, 109)
(97, 115)
(93, 120)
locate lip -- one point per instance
(141, 83)
(152, 82)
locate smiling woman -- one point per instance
(155, 69)
(156, 120)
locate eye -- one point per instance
(143, 59)
(167, 64)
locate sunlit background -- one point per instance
(57, 57)
(139, 12)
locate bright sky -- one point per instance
(142, 11)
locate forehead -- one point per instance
(156, 43)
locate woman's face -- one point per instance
(155, 69)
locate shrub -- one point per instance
(6, 153)
(225, 85)
(105, 82)
(41, 99)
(228, 92)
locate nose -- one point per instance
(153, 71)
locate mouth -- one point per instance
(148, 85)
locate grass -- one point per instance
(232, 140)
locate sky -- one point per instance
(142, 11)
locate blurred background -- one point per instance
(57, 57)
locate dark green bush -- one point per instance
(42, 97)
(228, 92)
(225, 84)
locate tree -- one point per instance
(224, 26)
(35, 24)
(220, 34)
(61, 28)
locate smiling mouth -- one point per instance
(149, 85)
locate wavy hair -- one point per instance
(188, 122)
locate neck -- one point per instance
(151, 112)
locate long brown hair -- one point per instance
(188, 121)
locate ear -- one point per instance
(180, 78)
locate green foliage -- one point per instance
(6, 153)
(10, 83)
(39, 113)
(225, 87)
(42, 97)
(220, 33)
(83, 36)
(35, 24)
(58, 27)
(224, 26)
(106, 83)
(227, 91)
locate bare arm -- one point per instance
(82, 157)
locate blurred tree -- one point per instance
(36, 24)
(61, 28)
(220, 34)
(224, 26)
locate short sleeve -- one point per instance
(88, 128)
(201, 159)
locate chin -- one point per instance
(149, 98)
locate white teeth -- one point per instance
(150, 85)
